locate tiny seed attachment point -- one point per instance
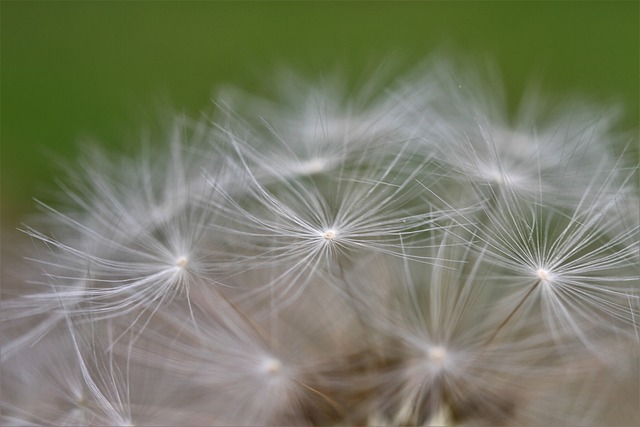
(315, 166)
(182, 261)
(544, 275)
(329, 234)
(437, 355)
(272, 366)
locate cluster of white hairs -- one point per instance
(406, 254)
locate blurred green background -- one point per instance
(71, 70)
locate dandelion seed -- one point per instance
(118, 257)
(585, 263)
(439, 323)
(384, 208)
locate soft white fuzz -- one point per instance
(410, 254)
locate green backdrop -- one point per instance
(77, 70)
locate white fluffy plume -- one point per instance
(410, 255)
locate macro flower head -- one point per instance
(409, 253)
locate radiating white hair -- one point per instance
(416, 255)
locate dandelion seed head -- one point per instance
(464, 250)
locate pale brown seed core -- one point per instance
(437, 355)
(182, 262)
(272, 366)
(544, 275)
(329, 234)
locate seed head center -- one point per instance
(329, 234)
(437, 355)
(315, 166)
(182, 261)
(272, 366)
(544, 275)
